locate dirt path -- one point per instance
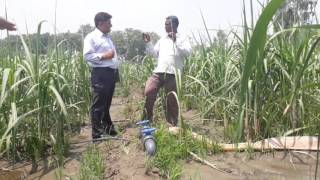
(127, 160)
(262, 166)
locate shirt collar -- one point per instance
(177, 35)
(99, 33)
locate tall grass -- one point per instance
(259, 83)
(276, 75)
(262, 82)
(92, 165)
(41, 97)
(172, 149)
(254, 60)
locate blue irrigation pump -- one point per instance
(146, 134)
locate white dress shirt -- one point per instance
(170, 55)
(95, 44)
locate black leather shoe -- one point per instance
(95, 139)
(112, 132)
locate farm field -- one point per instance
(254, 82)
(127, 160)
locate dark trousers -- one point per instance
(103, 81)
(153, 85)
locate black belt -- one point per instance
(104, 69)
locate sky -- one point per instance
(145, 15)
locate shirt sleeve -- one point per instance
(90, 53)
(153, 50)
(184, 47)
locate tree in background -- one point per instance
(220, 41)
(119, 39)
(85, 29)
(296, 13)
(129, 43)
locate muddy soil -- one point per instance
(127, 160)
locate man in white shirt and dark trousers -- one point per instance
(100, 54)
(170, 51)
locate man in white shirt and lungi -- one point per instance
(170, 52)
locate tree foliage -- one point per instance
(297, 12)
(129, 43)
(85, 29)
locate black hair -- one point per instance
(100, 17)
(174, 20)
